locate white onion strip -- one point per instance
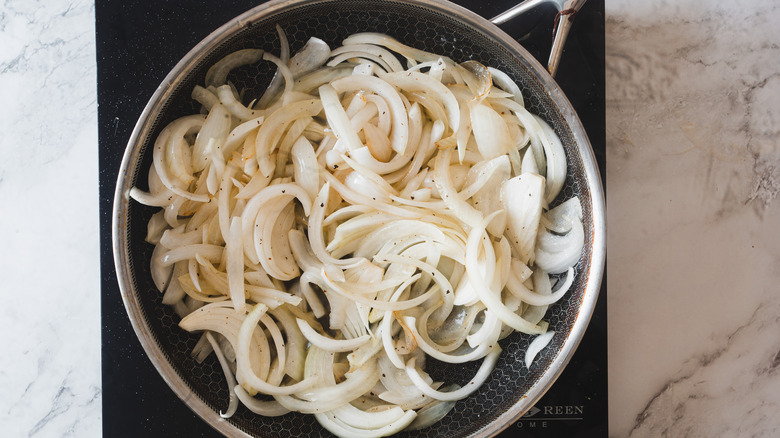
(329, 344)
(537, 345)
(246, 376)
(482, 374)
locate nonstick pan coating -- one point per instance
(434, 26)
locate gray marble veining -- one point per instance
(693, 167)
(50, 366)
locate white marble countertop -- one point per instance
(693, 172)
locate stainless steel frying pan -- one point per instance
(432, 25)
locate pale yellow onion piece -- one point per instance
(491, 298)
(482, 374)
(487, 199)
(518, 289)
(223, 199)
(337, 118)
(537, 345)
(490, 131)
(161, 273)
(503, 252)
(384, 122)
(231, 381)
(463, 328)
(376, 53)
(210, 252)
(542, 286)
(161, 168)
(274, 125)
(270, 237)
(256, 275)
(329, 395)
(271, 297)
(414, 81)
(556, 161)
(235, 264)
(277, 372)
(295, 343)
(430, 349)
(431, 414)
(429, 134)
(205, 97)
(452, 199)
(392, 44)
(271, 92)
(204, 214)
(389, 237)
(403, 393)
(270, 408)
(236, 108)
(369, 175)
(192, 270)
(365, 272)
(240, 133)
(377, 142)
(245, 374)
(462, 136)
(355, 197)
(528, 164)
(174, 293)
(445, 288)
(329, 344)
(477, 78)
(365, 67)
(253, 207)
(363, 58)
(316, 234)
(312, 56)
(211, 137)
(387, 325)
(175, 237)
(305, 166)
(217, 74)
(362, 117)
(253, 187)
(312, 299)
(325, 75)
(523, 198)
(336, 426)
(392, 169)
(399, 119)
(561, 218)
(361, 419)
(556, 254)
(214, 169)
(161, 198)
(507, 84)
(301, 249)
(285, 73)
(222, 318)
(489, 332)
(178, 154)
(345, 290)
(368, 187)
(353, 223)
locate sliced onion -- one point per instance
(328, 344)
(536, 346)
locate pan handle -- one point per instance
(566, 11)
